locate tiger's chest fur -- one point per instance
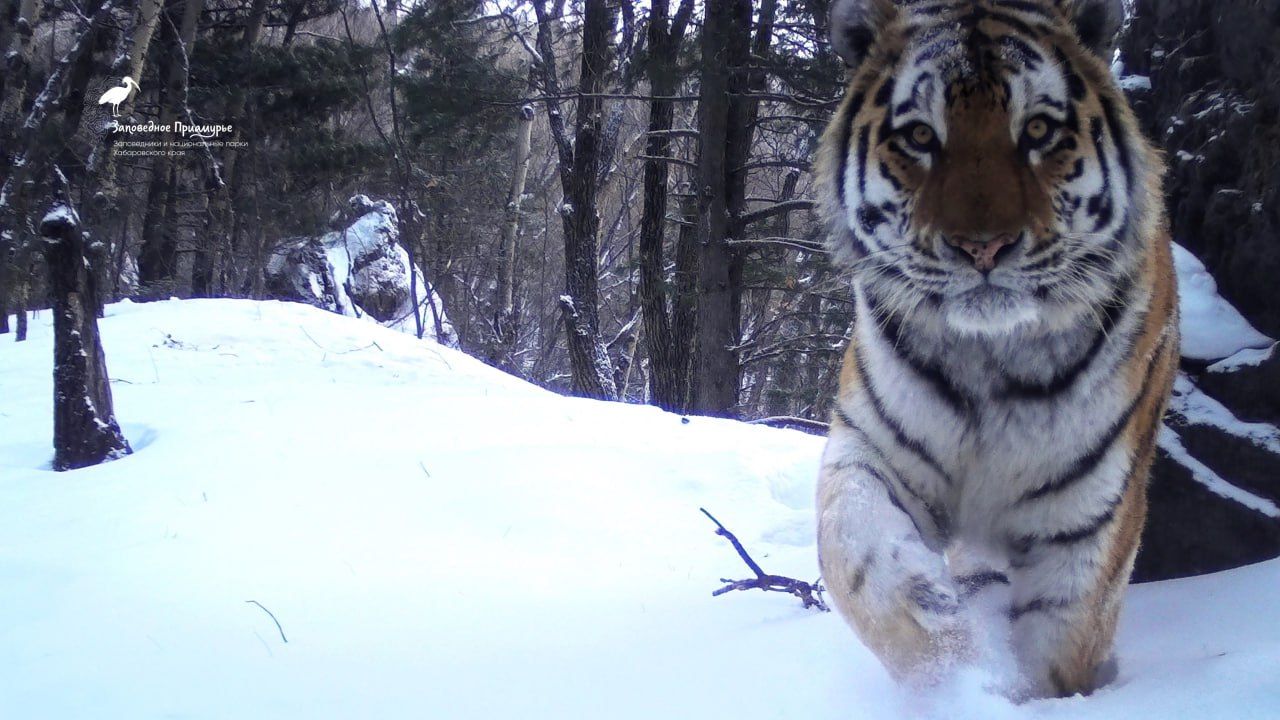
(1000, 418)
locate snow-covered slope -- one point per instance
(439, 540)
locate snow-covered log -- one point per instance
(360, 270)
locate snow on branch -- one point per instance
(809, 593)
(780, 208)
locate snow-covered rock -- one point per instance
(1211, 328)
(438, 539)
(1218, 465)
(359, 270)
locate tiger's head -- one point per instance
(984, 168)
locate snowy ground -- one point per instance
(438, 540)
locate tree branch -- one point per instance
(788, 422)
(809, 593)
(780, 208)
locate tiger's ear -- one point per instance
(855, 26)
(1097, 23)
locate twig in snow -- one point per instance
(273, 618)
(809, 593)
(313, 340)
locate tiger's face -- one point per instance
(981, 169)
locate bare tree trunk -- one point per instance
(35, 141)
(85, 431)
(579, 174)
(723, 48)
(221, 222)
(15, 54)
(684, 313)
(158, 261)
(728, 115)
(506, 321)
(20, 331)
(667, 380)
(16, 44)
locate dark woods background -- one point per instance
(610, 198)
(543, 157)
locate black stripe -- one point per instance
(1023, 545)
(860, 575)
(1076, 170)
(846, 134)
(885, 93)
(1065, 144)
(1118, 137)
(1089, 461)
(1030, 8)
(1031, 59)
(1089, 529)
(940, 521)
(1113, 311)
(870, 218)
(891, 332)
(895, 427)
(974, 583)
(932, 10)
(864, 139)
(1039, 604)
(888, 175)
(1075, 84)
(1017, 25)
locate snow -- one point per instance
(1197, 408)
(1135, 82)
(1211, 328)
(60, 214)
(1203, 474)
(1249, 357)
(437, 539)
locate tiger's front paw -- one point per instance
(929, 632)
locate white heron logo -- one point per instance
(117, 95)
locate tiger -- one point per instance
(1015, 336)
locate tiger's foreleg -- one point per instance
(1066, 601)
(1069, 581)
(1068, 586)
(880, 562)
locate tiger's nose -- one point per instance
(984, 249)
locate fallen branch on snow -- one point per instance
(787, 422)
(273, 615)
(809, 593)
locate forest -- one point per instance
(607, 199)
(459, 358)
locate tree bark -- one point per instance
(221, 221)
(34, 143)
(158, 261)
(106, 210)
(579, 172)
(724, 48)
(667, 351)
(15, 54)
(506, 321)
(729, 91)
(85, 431)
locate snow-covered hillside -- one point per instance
(439, 540)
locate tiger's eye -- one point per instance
(921, 134)
(1037, 129)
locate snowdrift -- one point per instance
(436, 539)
